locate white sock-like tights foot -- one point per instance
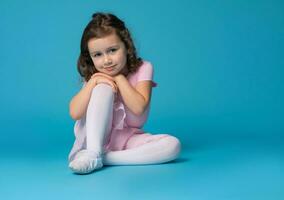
(98, 126)
(86, 161)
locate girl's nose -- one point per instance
(107, 61)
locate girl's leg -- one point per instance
(145, 149)
(98, 126)
(99, 117)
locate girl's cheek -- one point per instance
(96, 62)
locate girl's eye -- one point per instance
(113, 50)
(96, 55)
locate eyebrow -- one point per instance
(113, 46)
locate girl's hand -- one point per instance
(113, 78)
(103, 78)
(104, 75)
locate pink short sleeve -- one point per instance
(146, 72)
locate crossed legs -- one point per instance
(140, 148)
(143, 149)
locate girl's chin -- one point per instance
(114, 72)
(111, 73)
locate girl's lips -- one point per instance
(109, 68)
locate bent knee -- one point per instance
(104, 86)
(103, 89)
(173, 146)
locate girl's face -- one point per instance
(108, 54)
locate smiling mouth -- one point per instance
(110, 68)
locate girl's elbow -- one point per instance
(142, 109)
(72, 112)
(73, 115)
(139, 111)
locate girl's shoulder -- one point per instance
(144, 69)
(144, 72)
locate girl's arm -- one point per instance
(79, 103)
(136, 99)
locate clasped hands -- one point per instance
(104, 78)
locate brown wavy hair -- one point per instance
(101, 25)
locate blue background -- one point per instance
(219, 66)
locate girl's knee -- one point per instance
(103, 89)
(173, 145)
(104, 86)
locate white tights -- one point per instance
(98, 126)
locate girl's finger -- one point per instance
(101, 77)
(110, 79)
(113, 87)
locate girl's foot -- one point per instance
(85, 162)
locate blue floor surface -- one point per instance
(233, 169)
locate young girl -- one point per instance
(114, 102)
